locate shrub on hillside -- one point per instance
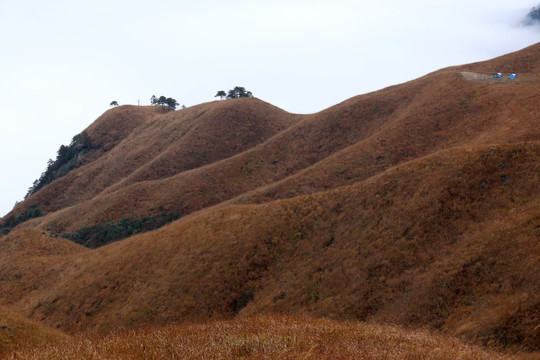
(68, 158)
(12, 221)
(98, 235)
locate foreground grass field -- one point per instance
(19, 333)
(265, 337)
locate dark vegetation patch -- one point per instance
(13, 220)
(68, 158)
(97, 235)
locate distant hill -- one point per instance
(416, 205)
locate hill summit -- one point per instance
(416, 205)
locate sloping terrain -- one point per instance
(449, 241)
(416, 205)
(347, 143)
(17, 333)
(143, 143)
(265, 337)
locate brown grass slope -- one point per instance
(447, 110)
(417, 205)
(523, 62)
(18, 333)
(448, 241)
(265, 337)
(349, 142)
(32, 260)
(144, 143)
(290, 151)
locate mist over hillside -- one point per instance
(417, 205)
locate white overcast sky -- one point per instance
(63, 62)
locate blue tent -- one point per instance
(497, 75)
(512, 76)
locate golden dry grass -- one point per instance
(415, 205)
(17, 332)
(439, 242)
(265, 337)
(141, 143)
(155, 168)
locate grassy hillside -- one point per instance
(143, 143)
(266, 338)
(150, 172)
(416, 205)
(18, 333)
(448, 241)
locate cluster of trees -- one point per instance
(67, 159)
(169, 103)
(165, 102)
(12, 220)
(237, 92)
(100, 234)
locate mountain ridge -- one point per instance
(252, 168)
(415, 205)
